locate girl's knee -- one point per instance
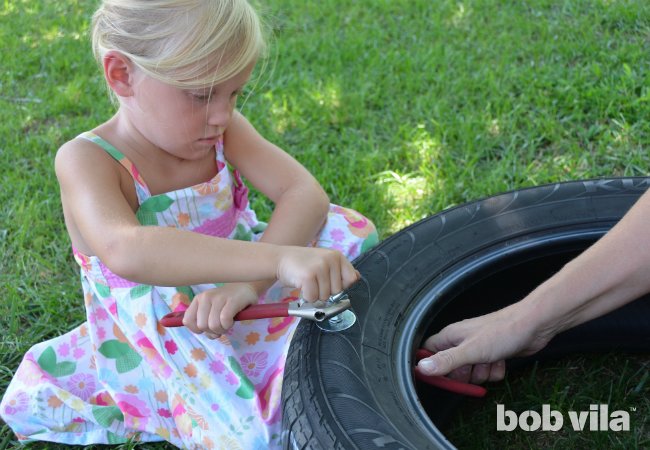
(348, 231)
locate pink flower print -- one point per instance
(214, 407)
(82, 385)
(217, 366)
(231, 378)
(82, 260)
(17, 404)
(73, 340)
(101, 333)
(254, 363)
(78, 352)
(104, 399)
(136, 413)
(78, 420)
(154, 358)
(179, 409)
(64, 349)
(164, 412)
(30, 373)
(337, 235)
(171, 347)
(101, 314)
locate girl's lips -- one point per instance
(212, 140)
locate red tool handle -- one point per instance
(445, 383)
(175, 319)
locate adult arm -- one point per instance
(609, 274)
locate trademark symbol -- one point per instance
(633, 408)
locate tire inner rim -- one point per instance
(508, 271)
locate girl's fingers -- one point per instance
(349, 275)
(203, 313)
(227, 315)
(189, 318)
(215, 324)
(336, 284)
(309, 290)
(324, 286)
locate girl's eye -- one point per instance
(200, 97)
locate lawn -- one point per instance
(400, 108)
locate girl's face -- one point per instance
(186, 123)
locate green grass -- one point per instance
(572, 383)
(401, 108)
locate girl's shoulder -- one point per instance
(84, 153)
(88, 161)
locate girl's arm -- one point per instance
(612, 272)
(99, 215)
(301, 208)
(301, 204)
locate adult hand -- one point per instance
(212, 312)
(474, 350)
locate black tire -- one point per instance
(355, 390)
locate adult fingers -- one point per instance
(442, 340)
(446, 361)
(480, 373)
(497, 371)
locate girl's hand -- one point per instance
(212, 312)
(317, 272)
(474, 350)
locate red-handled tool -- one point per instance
(317, 311)
(445, 383)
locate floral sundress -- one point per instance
(120, 375)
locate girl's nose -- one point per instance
(219, 112)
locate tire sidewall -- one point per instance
(403, 281)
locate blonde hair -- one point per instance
(185, 43)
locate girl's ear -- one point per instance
(119, 71)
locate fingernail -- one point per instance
(427, 365)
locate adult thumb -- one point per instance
(442, 362)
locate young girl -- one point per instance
(153, 198)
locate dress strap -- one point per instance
(141, 187)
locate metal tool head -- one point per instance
(339, 316)
(318, 311)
